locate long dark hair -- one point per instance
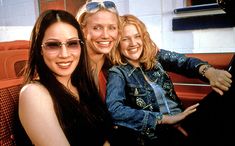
(89, 113)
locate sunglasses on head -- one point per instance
(95, 6)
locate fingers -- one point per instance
(172, 119)
(218, 91)
(221, 81)
(221, 85)
(181, 129)
(191, 109)
(225, 78)
(228, 74)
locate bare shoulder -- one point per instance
(35, 103)
(38, 117)
(33, 95)
(32, 88)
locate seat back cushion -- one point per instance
(11, 131)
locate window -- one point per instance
(199, 2)
(204, 19)
(198, 5)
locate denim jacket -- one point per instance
(131, 100)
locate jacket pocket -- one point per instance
(137, 96)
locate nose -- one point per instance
(133, 42)
(64, 51)
(105, 33)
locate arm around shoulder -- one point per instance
(38, 117)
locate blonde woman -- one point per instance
(142, 101)
(99, 21)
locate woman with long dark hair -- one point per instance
(59, 103)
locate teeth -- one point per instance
(133, 50)
(103, 43)
(64, 64)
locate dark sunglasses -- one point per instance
(93, 7)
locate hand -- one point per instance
(220, 80)
(174, 119)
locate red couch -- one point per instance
(13, 58)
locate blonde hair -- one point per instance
(150, 49)
(83, 14)
(82, 17)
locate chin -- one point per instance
(106, 51)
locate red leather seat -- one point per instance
(9, 95)
(13, 58)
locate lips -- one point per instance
(133, 50)
(64, 65)
(104, 44)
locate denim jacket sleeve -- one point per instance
(122, 114)
(179, 63)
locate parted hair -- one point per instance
(150, 49)
(89, 111)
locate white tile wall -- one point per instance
(214, 39)
(17, 18)
(122, 5)
(145, 7)
(156, 14)
(154, 27)
(178, 41)
(15, 33)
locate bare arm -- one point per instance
(38, 117)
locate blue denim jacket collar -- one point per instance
(130, 69)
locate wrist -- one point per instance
(159, 119)
(205, 69)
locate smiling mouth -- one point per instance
(132, 50)
(64, 64)
(104, 43)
